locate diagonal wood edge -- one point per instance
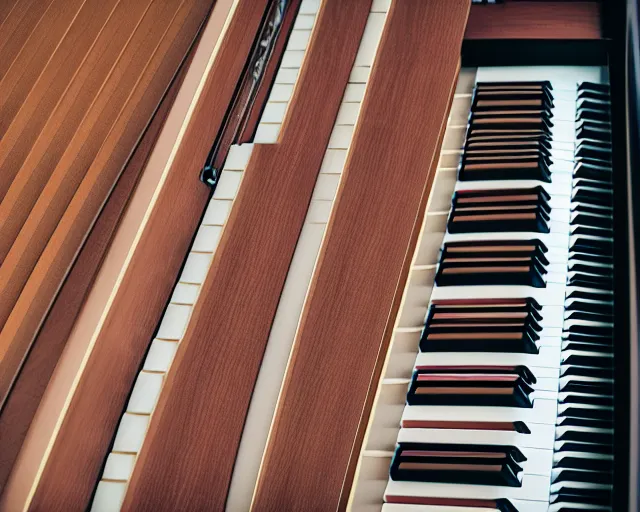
(392, 161)
(187, 460)
(83, 436)
(23, 401)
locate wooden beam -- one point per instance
(535, 20)
(187, 460)
(27, 391)
(68, 206)
(69, 474)
(344, 326)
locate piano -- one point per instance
(388, 265)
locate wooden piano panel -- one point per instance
(372, 472)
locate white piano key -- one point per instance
(109, 496)
(266, 134)
(146, 391)
(348, 113)
(319, 212)
(273, 112)
(281, 92)
(130, 433)
(341, 137)
(552, 295)
(380, 5)
(326, 187)
(543, 411)
(238, 157)
(290, 59)
(359, 74)
(228, 184)
(562, 78)
(550, 240)
(370, 39)
(160, 355)
(563, 109)
(299, 39)
(534, 487)
(309, 7)
(185, 294)
(207, 239)
(119, 466)
(287, 76)
(174, 322)
(547, 358)
(354, 92)
(520, 505)
(195, 268)
(541, 436)
(334, 161)
(304, 21)
(217, 212)
(559, 186)
(552, 316)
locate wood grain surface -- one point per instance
(59, 222)
(187, 459)
(369, 238)
(21, 405)
(535, 20)
(83, 441)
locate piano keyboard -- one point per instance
(509, 403)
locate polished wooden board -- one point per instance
(59, 222)
(365, 253)
(18, 411)
(188, 456)
(535, 20)
(70, 474)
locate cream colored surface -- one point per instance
(35, 448)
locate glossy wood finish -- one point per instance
(535, 20)
(73, 466)
(188, 456)
(47, 245)
(27, 391)
(343, 333)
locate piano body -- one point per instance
(367, 255)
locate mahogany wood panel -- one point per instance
(391, 166)
(11, 41)
(28, 96)
(70, 112)
(535, 20)
(27, 391)
(187, 459)
(84, 438)
(5, 9)
(78, 209)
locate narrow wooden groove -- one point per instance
(364, 255)
(187, 460)
(85, 202)
(68, 115)
(70, 474)
(25, 396)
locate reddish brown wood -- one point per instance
(68, 206)
(83, 441)
(27, 16)
(59, 130)
(188, 456)
(25, 396)
(535, 20)
(371, 232)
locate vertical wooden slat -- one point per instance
(76, 207)
(23, 401)
(12, 41)
(187, 460)
(73, 466)
(26, 103)
(121, 28)
(392, 161)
